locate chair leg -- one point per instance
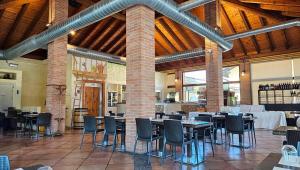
(182, 155)
(149, 154)
(114, 142)
(203, 146)
(254, 134)
(249, 138)
(94, 139)
(163, 152)
(211, 143)
(243, 138)
(196, 142)
(134, 148)
(82, 137)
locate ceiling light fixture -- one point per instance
(12, 64)
(72, 32)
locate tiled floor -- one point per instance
(63, 153)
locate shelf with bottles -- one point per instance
(281, 86)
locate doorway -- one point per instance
(92, 98)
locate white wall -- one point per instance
(272, 73)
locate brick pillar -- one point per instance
(213, 61)
(245, 83)
(57, 58)
(178, 83)
(140, 69)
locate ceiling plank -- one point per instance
(180, 33)
(35, 20)
(119, 31)
(281, 8)
(165, 40)
(268, 34)
(161, 47)
(253, 9)
(287, 44)
(173, 39)
(15, 25)
(1, 12)
(119, 51)
(248, 27)
(15, 3)
(120, 41)
(232, 29)
(119, 16)
(110, 27)
(95, 31)
(274, 2)
(291, 14)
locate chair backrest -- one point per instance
(181, 112)
(234, 123)
(90, 123)
(111, 113)
(173, 131)
(121, 114)
(224, 113)
(110, 126)
(293, 137)
(175, 117)
(44, 119)
(143, 128)
(206, 118)
(2, 118)
(12, 113)
(160, 114)
(4, 163)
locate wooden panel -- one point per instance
(91, 100)
(281, 8)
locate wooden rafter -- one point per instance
(15, 25)
(15, 3)
(159, 39)
(119, 16)
(173, 39)
(118, 43)
(160, 47)
(95, 31)
(291, 14)
(287, 44)
(263, 23)
(290, 8)
(165, 40)
(232, 29)
(248, 27)
(35, 20)
(274, 2)
(179, 32)
(1, 12)
(120, 50)
(110, 27)
(120, 30)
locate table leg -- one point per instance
(123, 148)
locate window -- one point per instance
(194, 86)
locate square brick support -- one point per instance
(140, 70)
(57, 66)
(245, 83)
(178, 83)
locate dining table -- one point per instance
(121, 123)
(189, 125)
(29, 121)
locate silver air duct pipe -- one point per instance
(180, 56)
(283, 25)
(188, 5)
(106, 8)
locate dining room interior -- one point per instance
(149, 84)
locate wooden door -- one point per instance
(91, 100)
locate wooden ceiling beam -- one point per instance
(173, 39)
(108, 29)
(180, 33)
(119, 51)
(263, 23)
(15, 3)
(161, 47)
(254, 10)
(291, 14)
(35, 20)
(274, 2)
(284, 33)
(95, 31)
(232, 29)
(119, 16)
(165, 39)
(118, 43)
(15, 25)
(248, 27)
(159, 39)
(119, 31)
(290, 8)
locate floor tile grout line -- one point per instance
(109, 160)
(85, 159)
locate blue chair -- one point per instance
(4, 163)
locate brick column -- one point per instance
(213, 61)
(178, 83)
(57, 58)
(140, 69)
(245, 83)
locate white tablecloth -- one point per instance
(265, 120)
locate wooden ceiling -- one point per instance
(20, 19)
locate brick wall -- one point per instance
(245, 84)
(57, 58)
(178, 83)
(140, 69)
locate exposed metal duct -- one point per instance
(96, 55)
(283, 25)
(180, 56)
(106, 8)
(188, 5)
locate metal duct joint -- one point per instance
(188, 5)
(180, 56)
(106, 8)
(283, 25)
(96, 55)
